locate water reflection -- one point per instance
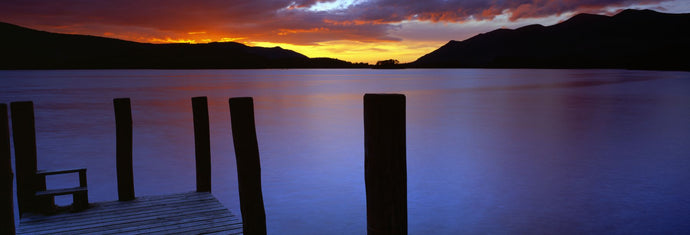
(489, 151)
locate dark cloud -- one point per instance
(274, 20)
(462, 10)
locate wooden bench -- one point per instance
(80, 195)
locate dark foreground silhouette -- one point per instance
(632, 39)
(24, 48)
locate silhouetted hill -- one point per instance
(633, 39)
(24, 48)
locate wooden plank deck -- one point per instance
(183, 213)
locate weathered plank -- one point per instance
(115, 221)
(190, 225)
(184, 213)
(125, 215)
(99, 215)
(60, 171)
(140, 203)
(62, 191)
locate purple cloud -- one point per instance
(274, 20)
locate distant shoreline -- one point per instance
(403, 68)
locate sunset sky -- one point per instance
(352, 30)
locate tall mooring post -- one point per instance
(123, 129)
(385, 169)
(202, 144)
(28, 182)
(6, 183)
(248, 165)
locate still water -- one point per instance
(488, 151)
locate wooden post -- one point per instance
(248, 165)
(202, 144)
(28, 183)
(385, 171)
(7, 213)
(81, 200)
(123, 125)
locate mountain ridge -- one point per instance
(25, 48)
(631, 39)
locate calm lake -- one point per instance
(488, 151)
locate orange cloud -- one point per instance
(170, 40)
(283, 32)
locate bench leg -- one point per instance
(80, 201)
(45, 205)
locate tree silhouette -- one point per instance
(385, 63)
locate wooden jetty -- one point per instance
(184, 213)
(194, 212)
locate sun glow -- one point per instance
(348, 50)
(352, 51)
(368, 52)
(191, 38)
